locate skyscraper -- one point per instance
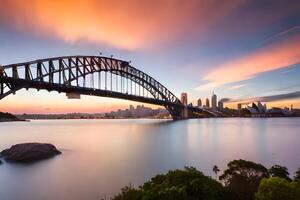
(207, 103)
(199, 102)
(184, 98)
(214, 101)
(220, 105)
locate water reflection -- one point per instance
(101, 156)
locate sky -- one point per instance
(243, 50)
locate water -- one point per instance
(101, 156)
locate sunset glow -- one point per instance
(128, 24)
(274, 56)
(239, 50)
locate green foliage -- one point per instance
(279, 171)
(187, 184)
(243, 177)
(297, 176)
(243, 180)
(128, 193)
(276, 188)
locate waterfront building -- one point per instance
(259, 110)
(239, 106)
(207, 103)
(131, 108)
(220, 105)
(214, 101)
(184, 98)
(199, 102)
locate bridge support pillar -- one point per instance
(184, 113)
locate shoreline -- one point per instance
(44, 119)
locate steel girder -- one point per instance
(70, 74)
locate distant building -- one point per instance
(259, 110)
(239, 106)
(199, 102)
(184, 98)
(214, 101)
(207, 103)
(131, 108)
(220, 105)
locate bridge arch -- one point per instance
(88, 75)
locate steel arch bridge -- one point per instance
(89, 75)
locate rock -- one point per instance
(29, 152)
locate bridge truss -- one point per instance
(88, 75)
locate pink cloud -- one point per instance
(129, 24)
(274, 56)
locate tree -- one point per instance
(128, 193)
(279, 171)
(186, 184)
(243, 177)
(276, 188)
(297, 176)
(216, 170)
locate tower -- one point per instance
(214, 101)
(184, 98)
(184, 101)
(199, 102)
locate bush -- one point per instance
(297, 176)
(276, 188)
(186, 184)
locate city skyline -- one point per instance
(242, 50)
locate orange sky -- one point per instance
(130, 24)
(227, 44)
(53, 102)
(271, 57)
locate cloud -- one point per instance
(277, 55)
(235, 87)
(282, 33)
(270, 98)
(224, 100)
(129, 24)
(288, 71)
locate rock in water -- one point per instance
(29, 152)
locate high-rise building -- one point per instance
(199, 102)
(220, 105)
(184, 98)
(214, 101)
(207, 103)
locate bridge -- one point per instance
(93, 75)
